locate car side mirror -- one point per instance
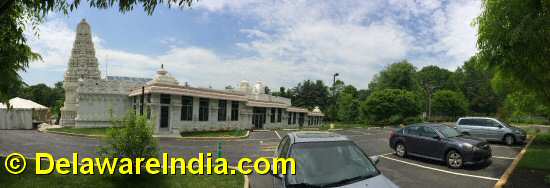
(375, 159)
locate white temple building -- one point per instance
(92, 102)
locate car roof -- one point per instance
(476, 117)
(316, 136)
(428, 124)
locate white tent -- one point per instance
(20, 103)
(19, 108)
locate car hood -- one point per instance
(468, 139)
(374, 182)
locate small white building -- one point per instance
(22, 114)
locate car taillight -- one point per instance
(391, 134)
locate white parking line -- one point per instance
(278, 135)
(439, 170)
(499, 157)
(384, 154)
(499, 146)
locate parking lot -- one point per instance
(405, 172)
(419, 173)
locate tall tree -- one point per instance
(309, 94)
(514, 38)
(15, 15)
(449, 103)
(474, 80)
(398, 75)
(430, 79)
(347, 104)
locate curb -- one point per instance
(290, 129)
(504, 178)
(246, 183)
(216, 138)
(73, 134)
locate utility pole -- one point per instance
(429, 89)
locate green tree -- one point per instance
(348, 105)
(449, 103)
(430, 79)
(523, 106)
(131, 136)
(474, 80)
(398, 75)
(513, 38)
(309, 94)
(390, 106)
(15, 15)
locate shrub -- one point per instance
(547, 179)
(132, 137)
(390, 106)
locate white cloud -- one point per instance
(296, 40)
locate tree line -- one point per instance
(403, 93)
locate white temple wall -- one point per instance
(97, 110)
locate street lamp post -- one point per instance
(334, 83)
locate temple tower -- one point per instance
(82, 66)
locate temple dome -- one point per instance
(163, 78)
(316, 110)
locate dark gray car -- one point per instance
(326, 159)
(440, 142)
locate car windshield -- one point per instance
(448, 132)
(329, 164)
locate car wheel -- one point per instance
(454, 159)
(400, 150)
(509, 140)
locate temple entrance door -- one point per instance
(258, 117)
(164, 117)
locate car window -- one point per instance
(413, 130)
(488, 123)
(283, 147)
(467, 122)
(428, 132)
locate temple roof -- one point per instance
(163, 78)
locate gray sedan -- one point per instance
(326, 159)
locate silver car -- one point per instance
(491, 129)
(326, 159)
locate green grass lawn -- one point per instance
(538, 154)
(232, 133)
(86, 131)
(29, 179)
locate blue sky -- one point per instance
(220, 42)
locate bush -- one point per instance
(449, 103)
(547, 179)
(390, 106)
(542, 139)
(132, 136)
